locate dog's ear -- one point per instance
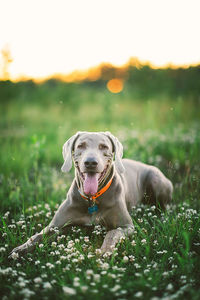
(118, 150)
(67, 152)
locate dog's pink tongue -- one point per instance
(90, 185)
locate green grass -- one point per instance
(162, 259)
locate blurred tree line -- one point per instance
(140, 81)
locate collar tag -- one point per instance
(92, 209)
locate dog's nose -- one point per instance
(90, 162)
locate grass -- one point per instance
(161, 260)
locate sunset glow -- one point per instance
(59, 37)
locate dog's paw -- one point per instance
(20, 250)
(105, 251)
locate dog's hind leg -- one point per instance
(158, 189)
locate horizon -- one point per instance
(46, 39)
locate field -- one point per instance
(162, 259)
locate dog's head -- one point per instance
(93, 154)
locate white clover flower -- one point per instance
(63, 257)
(27, 293)
(49, 265)
(15, 255)
(169, 287)
(96, 277)
(125, 259)
(84, 288)
(76, 283)
(139, 294)
(41, 245)
(131, 257)
(105, 266)
(2, 249)
(90, 255)
(86, 239)
(54, 244)
(21, 284)
(81, 257)
(115, 288)
(61, 246)
(133, 243)
(47, 285)
(69, 291)
(38, 280)
(89, 272)
(18, 265)
(107, 254)
(143, 242)
(37, 262)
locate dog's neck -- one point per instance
(109, 174)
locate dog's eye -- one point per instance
(81, 146)
(103, 147)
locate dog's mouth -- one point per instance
(92, 180)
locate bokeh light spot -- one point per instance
(115, 85)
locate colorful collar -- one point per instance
(99, 193)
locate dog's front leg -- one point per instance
(61, 217)
(114, 236)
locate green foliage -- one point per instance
(157, 124)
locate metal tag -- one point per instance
(92, 209)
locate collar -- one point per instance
(99, 193)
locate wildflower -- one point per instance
(98, 251)
(15, 255)
(84, 288)
(105, 266)
(89, 272)
(2, 249)
(41, 245)
(115, 288)
(69, 291)
(131, 257)
(63, 257)
(18, 265)
(38, 280)
(54, 244)
(27, 293)
(139, 294)
(169, 287)
(21, 284)
(49, 265)
(96, 277)
(133, 243)
(86, 239)
(143, 242)
(125, 259)
(90, 255)
(47, 285)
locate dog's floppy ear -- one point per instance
(67, 152)
(118, 149)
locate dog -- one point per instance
(105, 189)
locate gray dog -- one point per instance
(105, 188)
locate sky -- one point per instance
(46, 37)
